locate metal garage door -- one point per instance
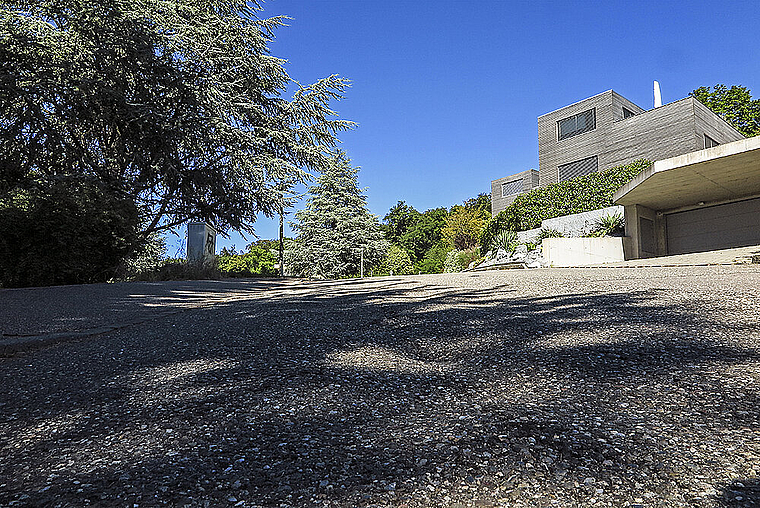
(714, 227)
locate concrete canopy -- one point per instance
(722, 173)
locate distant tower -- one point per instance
(657, 95)
(201, 241)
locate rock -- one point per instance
(534, 259)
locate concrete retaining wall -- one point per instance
(579, 224)
(582, 251)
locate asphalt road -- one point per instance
(595, 387)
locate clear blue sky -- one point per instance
(447, 93)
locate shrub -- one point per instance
(434, 259)
(463, 226)
(608, 225)
(505, 240)
(458, 260)
(548, 233)
(69, 231)
(257, 262)
(144, 260)
(397, 262)
(581, 194)
(181, 269)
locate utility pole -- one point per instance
(362, 264)
(282, 245)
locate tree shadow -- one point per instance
(741, 493)
(358, 393)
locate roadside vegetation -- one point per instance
(195, 126)
(99, 153)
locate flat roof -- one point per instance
(578, 102)
(722, 173)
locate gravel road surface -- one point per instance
(593, 387)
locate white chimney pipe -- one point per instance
(657, 95)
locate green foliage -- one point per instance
(177, 105)
(257, 262)
(335, 227)
(504, 240)
(451, 264)
(463, 226)
(549, 233)
(434, 259)
(72, 231)
(734, 104)
(147, 258)
(397, 262)
(398, 221)
(458, 260)
(480, 202)
(608, 225)
(581, 194)
(418, 233)
(265, 244)
(424, 233)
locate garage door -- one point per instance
(714, 227)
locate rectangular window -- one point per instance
(627, 113)
(511, 188)
(710, 142)
(576, 124)
(578, 168)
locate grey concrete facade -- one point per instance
(501, 197)
(672, 129)
(703, 200)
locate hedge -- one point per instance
(581, 194)
(69, 231)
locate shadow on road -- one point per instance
(359, 393)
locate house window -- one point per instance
(578, 168)
(577, 124)
(511, 188)
(627, 113)
(710, 142)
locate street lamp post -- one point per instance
(282, 244)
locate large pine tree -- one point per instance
(335, 227)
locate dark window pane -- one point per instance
(710, 142)
(511, 188)
(577, 124)
(578, 168)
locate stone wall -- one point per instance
(579, 224)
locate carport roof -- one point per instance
(722, 173)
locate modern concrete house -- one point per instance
(700, 201)
(505, 190)
(608, 130)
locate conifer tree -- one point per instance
(336, 227)
(177, 106)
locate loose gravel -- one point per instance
(613, 387)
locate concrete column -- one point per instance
(645, 233)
